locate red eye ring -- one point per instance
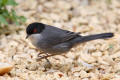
(35, 30)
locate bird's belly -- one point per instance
(58, 49)
(52, 51)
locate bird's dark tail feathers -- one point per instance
(93, 37)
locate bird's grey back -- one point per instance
(52, 36)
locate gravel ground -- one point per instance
(94, 60)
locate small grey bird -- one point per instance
(55, 41)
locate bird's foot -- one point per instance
(45, 56)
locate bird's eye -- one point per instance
(35, 30)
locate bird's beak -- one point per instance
(27, 36)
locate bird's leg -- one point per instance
(44, 57)
(48, 61)
(40, 54)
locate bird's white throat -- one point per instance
(34, 38)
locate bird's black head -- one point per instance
(35, 28)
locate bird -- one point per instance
(56, 41)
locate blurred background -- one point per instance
(69, 14)
(85, 16)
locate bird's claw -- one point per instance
(44, 57)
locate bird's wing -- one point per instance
(69, 35)
(56, 35)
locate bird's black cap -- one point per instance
(34, 28)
